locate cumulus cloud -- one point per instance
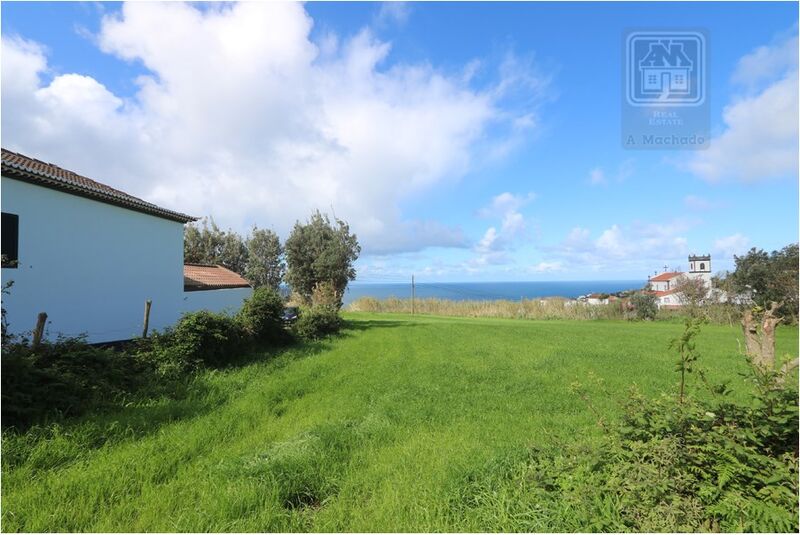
(244, 117)
(731, 245)
(393, 12)
(760, 137)
(548, 267)
(767, 62)
(598, 176)
(641, 245)
(493, 247)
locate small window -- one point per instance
(679, 78)
(651, 78)
(10, 239)
(702, 266)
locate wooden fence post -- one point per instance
(146, 317)
(39, 330)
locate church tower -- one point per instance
(700, 268)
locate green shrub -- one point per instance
(678, 463)
(198, 339)
(64, 378)
(260, 316)
(644, 305)
(317, 321)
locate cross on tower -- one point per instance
(665, 268)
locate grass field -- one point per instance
(380, 429)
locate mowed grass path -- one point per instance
(378, 430)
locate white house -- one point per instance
(664, 285)
(90, 256)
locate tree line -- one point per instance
(318, 255)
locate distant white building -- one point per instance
(664, 285)
(90, 256)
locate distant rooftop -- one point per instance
(667, 276)
(210, 277)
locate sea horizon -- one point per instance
(487, 291)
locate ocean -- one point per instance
(487, 291)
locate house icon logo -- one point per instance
(665, 68)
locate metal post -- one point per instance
(413, 291)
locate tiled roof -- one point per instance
(669, 275)
(210, 277)
(21, 167)
(665, 292)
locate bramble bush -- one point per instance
(693, 464)
(317, 321)
(199, 339)
(261, 316)
(64, 378)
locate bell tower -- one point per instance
(700, 263)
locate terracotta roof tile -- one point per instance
(21, 167)
(665, 292)
(210, 277)
(669, 275)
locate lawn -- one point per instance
(380, 429)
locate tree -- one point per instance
(769, 277)
(265, 265)
(644, 305)
(319, 252)
(210, 245)
(691, 292)
(234, 254)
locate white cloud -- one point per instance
(731, 245)
(395, 12)
(764, 63)
(505, 203)
(760, 138)
(245, 118)
(597, 177)
(638, 246)
(548, 267)
(493, 247)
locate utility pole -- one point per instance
(413, 290)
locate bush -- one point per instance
(198, 339)
(317, 321)
(697, 466)
(261, 316)
(64, 378)
(685, 464)
(644, 305)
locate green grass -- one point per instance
(382, 429)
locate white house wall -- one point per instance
(90, 266)
(227, 300)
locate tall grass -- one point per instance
(409, 424)
(532, 309)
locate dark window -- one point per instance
(10, 238)
(702, 266)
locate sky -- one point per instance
(460, 141)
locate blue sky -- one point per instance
(461, 141)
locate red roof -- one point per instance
(665, 292)
(667, 276)
(21, 167)
(210, 277)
